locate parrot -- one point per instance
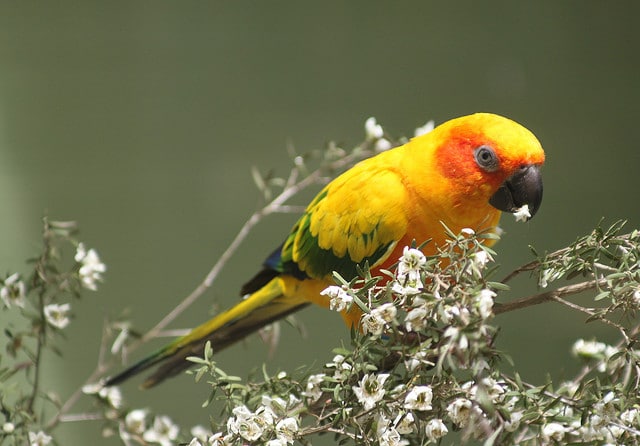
(462, 174)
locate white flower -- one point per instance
(163, 432)
(371, 389)
(275, 404)
(495, 390)
(468, 232)
(200, 433)
(408, 280)
(419, 357)
(372, 129)
(458, 340)
(339, 299)
(484, 300)
(589, 434)
(514, 422)
(481, 258)
(391, 437)
(342, 367)
(218, 439)
(630, 416)
(608, 363)
(135, 421)
(416, 319)
(636, 297)
(459, 411)
(448, 313)
(548, 275)
(615, 431)
(411, 284)
(522, 213)
(39, 439)
(265, 416)
(249, 428)
(382, 145)
(407, 284)
(91, 268)
(588, 349)
(286, 429)
(13, 291)
(435, 429)
(313, 390)
(412, 260)
(553, 431)
(57, 315)
(610, 397)
(112, 395)
(405, 424)
(387, 312)
(372, 324)
(8, 427)
(387, 433)
(276, 442)
(241, 413)
(419, 398)
(426, 128)
(195, 442)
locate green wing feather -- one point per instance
(357, 218)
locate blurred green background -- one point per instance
(141, 120)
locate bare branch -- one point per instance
(528, 267)
(547, 296)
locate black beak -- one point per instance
(523, 187)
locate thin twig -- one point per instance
(528, 267)
(547, 296)
(95, 416)
(593, 365)
(592, 313)
(325, 428)
(205, 284)
(101, 367)
(560, 252)
(37, 363)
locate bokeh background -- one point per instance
(141, 120)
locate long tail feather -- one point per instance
(261, 308)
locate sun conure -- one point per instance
(463, 174)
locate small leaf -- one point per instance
(257, 178)
(499, 286)
(602, 295)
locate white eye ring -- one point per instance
(486, 158)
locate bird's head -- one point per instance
(489, 159)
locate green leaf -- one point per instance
(498, 286)
(602, 295)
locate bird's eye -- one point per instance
(486, 158)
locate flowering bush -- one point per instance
(423, 369)
(425, 365)
(38, 299)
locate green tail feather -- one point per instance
(139, 366)
(261, 308)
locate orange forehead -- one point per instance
(514, 145)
